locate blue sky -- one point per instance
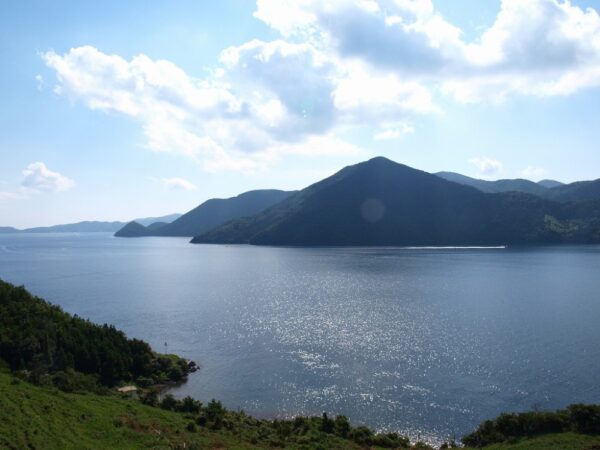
(114, 110)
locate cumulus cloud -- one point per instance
(335, 66)
(178, 184)
(533, 172)
(486, 166)
(265, 97)
(393, 131)
(534, 47)
(38, 177)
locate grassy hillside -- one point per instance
(564, 441)
(44, 418)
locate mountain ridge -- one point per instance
(381, 202)
(89, 226)
(209, 214)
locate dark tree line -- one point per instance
(41, 338)
(508, 427)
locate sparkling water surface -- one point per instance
(428, 342)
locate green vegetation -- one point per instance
(563, 441)
(50, 400)
(36, 417)
(48, 345)
(583, 419)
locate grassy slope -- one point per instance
(41, 418)
(34, 417)
(564, 441)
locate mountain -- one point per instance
(215, 212)
(90, 226)
(548, 189)
(133, 229)
(549, 184)
(576, 192)
(156, 226)
(380, 202)
(79, 227)
(516, 185)
(8, 230)
(164, 219)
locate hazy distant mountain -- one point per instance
(516, 185)
(8, 230)
(156, 226)
(380, 202)
(91, 226)
(548, 189)
(576, 192)
(132, 229)
(549, 184)
(215, 212)
(79, 227)
(164, 219)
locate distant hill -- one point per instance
(212, 213)
(549, 184)
(90, 226)
(380, 202)
(492, 187)
(576, 192)
(548, 189)
(8, 230)
(164, 219)
(133, 229)
(79, 227)
(156, 226)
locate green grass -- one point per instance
(562, 441)
(33, 417)
(40, 418)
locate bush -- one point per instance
(215, 411)
(327, 424)
(189, 405)
(342, 426)
(169, 403)
(586, 418)
(150, 398)
(511, 427)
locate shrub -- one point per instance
(189, 405)
(586, 418)
(169, 403)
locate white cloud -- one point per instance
(38, 177)
(336, 65)
(39, 81)
(178, 184)
(393, 131)
(486, 166)
(533, 172)
(534, 47)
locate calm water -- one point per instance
(426, 342)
